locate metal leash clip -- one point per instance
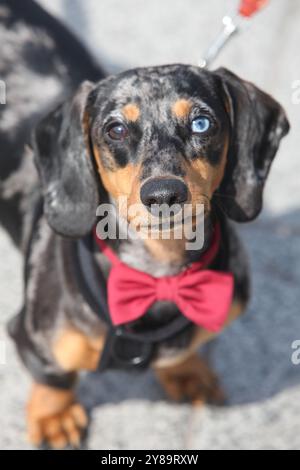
(231, 25)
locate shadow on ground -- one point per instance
(253, 356)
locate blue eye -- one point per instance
(200, 125)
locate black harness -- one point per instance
(123, 348)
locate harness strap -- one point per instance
(123, 348)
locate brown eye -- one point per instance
(117, 131)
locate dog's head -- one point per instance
(163, 135)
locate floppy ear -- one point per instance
(258, 123)
(62, 156)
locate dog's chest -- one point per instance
(162, 314)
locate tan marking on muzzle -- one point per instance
(203, 178)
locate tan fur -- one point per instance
(54, 417)
(187, 376)
(131, 112)
(119, 182)
(192, 379)
(203, 178)
(123, 185)
(181, 108)
(74, 351)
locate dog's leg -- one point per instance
(53, 415)
(191, 380)
(189, 376)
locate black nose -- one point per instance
(158, 191)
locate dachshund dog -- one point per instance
(72, 139)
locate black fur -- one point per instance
(258, 124)
(65, 167)
(38, 49)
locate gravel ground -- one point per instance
(253, 357)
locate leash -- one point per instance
(232, 24)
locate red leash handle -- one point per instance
(249, 7)
(231, 26)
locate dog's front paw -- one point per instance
(54, 418)
(191, 380)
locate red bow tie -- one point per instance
(202, 295)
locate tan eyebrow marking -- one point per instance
(182, 108)
(131, 112)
